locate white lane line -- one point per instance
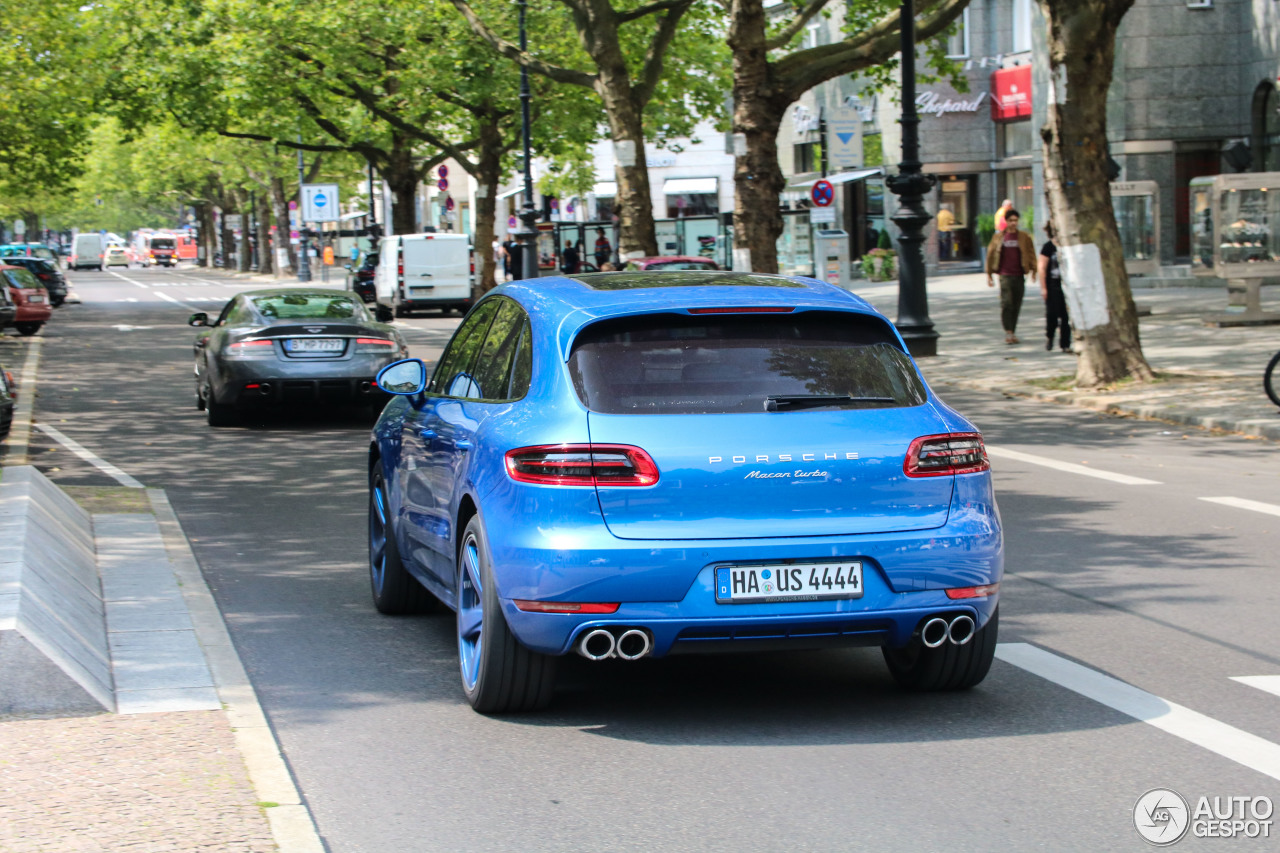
(89, 456)
(1228, 741)
(1069, 467)
(1241, 503)
(126, 278)
(20, 431)
(1269, 683)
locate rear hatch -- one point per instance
(760, 425)
(436, 267)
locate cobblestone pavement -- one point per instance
(143, 783)
(1209, 377)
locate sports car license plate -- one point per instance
(314, 344)
(794, 582)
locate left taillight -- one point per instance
(582, 465)
(251, 349)
(952, 453)
(13, 386)
(374, 345)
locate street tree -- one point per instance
(627, 73)
(1082, 40)
(770, 73)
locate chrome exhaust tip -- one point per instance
(264, 389)
(961, 630)
(934, 632)
(597, 645)
(634, 644)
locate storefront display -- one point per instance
(1136, 205)
(795, 246)
(1242, 212)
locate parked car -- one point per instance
(8, 310)
(671, 262)
(30, 250)
(30, 298)
(290, 347)
(53, 280)
(361, 277)
(630, 465)
(115, 256)
(417, 271)
(8, 400)
(87, 252)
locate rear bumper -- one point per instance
(288, 392)
(34, 313)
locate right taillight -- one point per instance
(582, 465)
(953, 453)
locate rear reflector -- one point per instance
(742, 310)
(252, 385)
(953, 453)
(565, 607)
(582, 465)
(974, 591)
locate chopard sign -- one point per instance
(931, 103)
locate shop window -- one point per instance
(1016, 139)
(1021, 26)
(1269, 124)
(606, 208)
(692, 204)
(958, 40)
(805, 157)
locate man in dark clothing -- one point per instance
(569, 258)
(515, 258)
(602, 249)
(1055, 301)
(1012, 256)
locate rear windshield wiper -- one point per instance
(808, 401)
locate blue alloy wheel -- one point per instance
(499, 674)
(395, 591)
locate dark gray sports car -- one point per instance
(291, 347)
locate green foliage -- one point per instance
(879, 264)
(873, 149)
(986, 229)
(884, 241)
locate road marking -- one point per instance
(167, 298)
(89, 456)
(1269, 683)
(126, 278)
(1069, 467)
(20, 430)
(1228, 741)
(1241, 503)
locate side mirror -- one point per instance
(405, 377)
(200, 319)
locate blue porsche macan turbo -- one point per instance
(629, 465)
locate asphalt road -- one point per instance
(1146, 583)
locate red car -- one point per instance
(671, 262)
(30, 297)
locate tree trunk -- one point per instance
(280, 210)
(757, 176)
(402, 177)
(266, 254)
(1082, 38)
(638, 236)
(489, 174)
(244, 252)
(204, 246)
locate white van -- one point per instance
(417, 271)
(87, 252)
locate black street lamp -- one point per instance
(304, 262)
(527, 233)
(910, 186)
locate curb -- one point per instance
(23, 414)
(1252, 427)
(290, 820)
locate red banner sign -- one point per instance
(1011, 93)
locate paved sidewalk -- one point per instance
(1209, 377)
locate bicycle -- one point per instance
(1271, 379)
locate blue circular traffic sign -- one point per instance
(319, 200)
(822, 193)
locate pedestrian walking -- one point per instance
(499, 254)
(603, 249)
(1012, 256)
(569, 259)
(1055, 301)
(514, 258)
(1002, 215)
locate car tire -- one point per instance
(218, 414)
(948, 667)
(27, 329)
(395, 591)
(499, 675)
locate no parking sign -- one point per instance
(822, 193)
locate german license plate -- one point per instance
(35, 299)
(794, 582)
(313, 344)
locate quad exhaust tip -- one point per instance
(600, 643)
(938, 630)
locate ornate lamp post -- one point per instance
(527, 233)
(910, 185)
(304, 262)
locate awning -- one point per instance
(1011, 93)
(839, 178)
(605, 188)
(347, 217)
(681, 186)
(510, 193)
